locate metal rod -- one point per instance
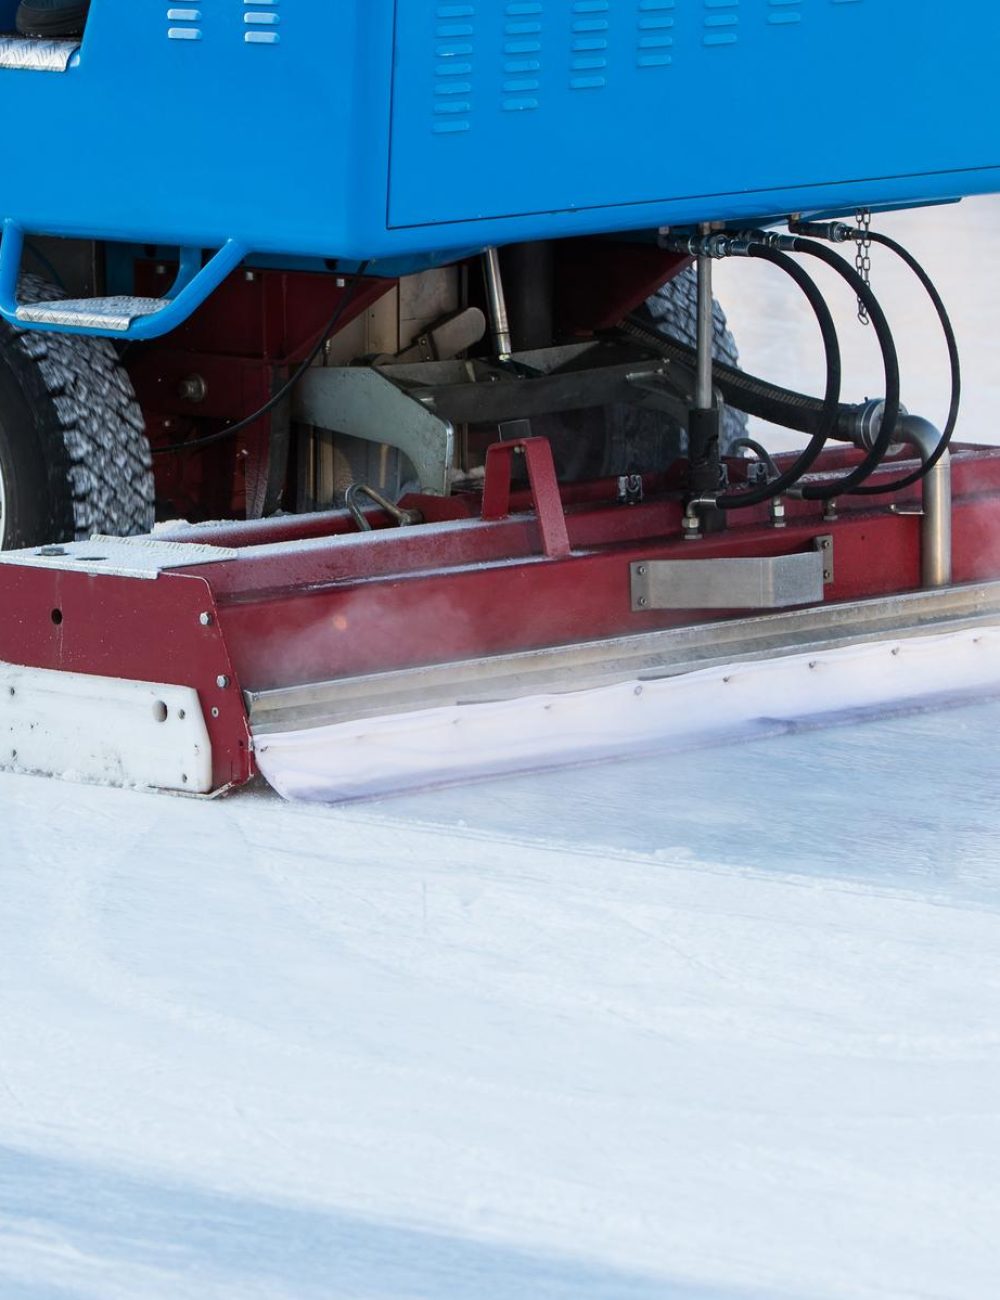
(499, 320)
(704, 389)
(936, 542)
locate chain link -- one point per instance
(863, 261)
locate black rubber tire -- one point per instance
(74, 459)
(624, 439)
(50, 18)
(674, 312)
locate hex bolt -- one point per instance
(206, 619)
(193, 389)
(222, 682)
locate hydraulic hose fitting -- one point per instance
(704, 474)
(714, 246)
(695, 512)
(727, 244)
(863, 424)
(834, 232)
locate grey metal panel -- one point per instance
(364, 404)
(756, 582)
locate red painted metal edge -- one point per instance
(543, 485)
(323, 605)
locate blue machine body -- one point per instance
(404, 130)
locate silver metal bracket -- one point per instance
(824, 544)
(362, 402)
(754, 582)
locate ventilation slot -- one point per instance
(656, 36)
(522, 50)
(453, 68)
(721, 22)
(591, 41)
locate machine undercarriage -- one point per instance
(453, 482)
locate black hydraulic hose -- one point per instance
(830, 412)
(849, 482)
(759, 450)
(211, 439)
(955, 362)
(746, 392)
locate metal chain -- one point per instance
(863, 261)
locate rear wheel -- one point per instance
(74, 459)
(644, 438)
(624, 439)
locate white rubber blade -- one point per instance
(103, 730)
(376, 756)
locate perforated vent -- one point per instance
(183, 24)
(784, 11)
(656, 35)
(721, 23)
(546, 50)
(454, 34)
(523, 50)
(590, 44)
(261, 19)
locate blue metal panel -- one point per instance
(505, 107)
(195, 130)
(360, 128)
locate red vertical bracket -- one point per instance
(543, 484)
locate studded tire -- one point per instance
(74, 459)
(640, 435)
(626, 439)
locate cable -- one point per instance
(798, 411)
(213, 438)
(956, 372)
(746, 392)
(759, 450)
(881, 444)
(767, 401)
(831, 401)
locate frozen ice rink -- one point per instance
(714, 1025)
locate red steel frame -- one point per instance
(248, 337)
(310, 599)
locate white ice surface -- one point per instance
(722, 1024)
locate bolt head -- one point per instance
(205, 619)
(222, 682)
